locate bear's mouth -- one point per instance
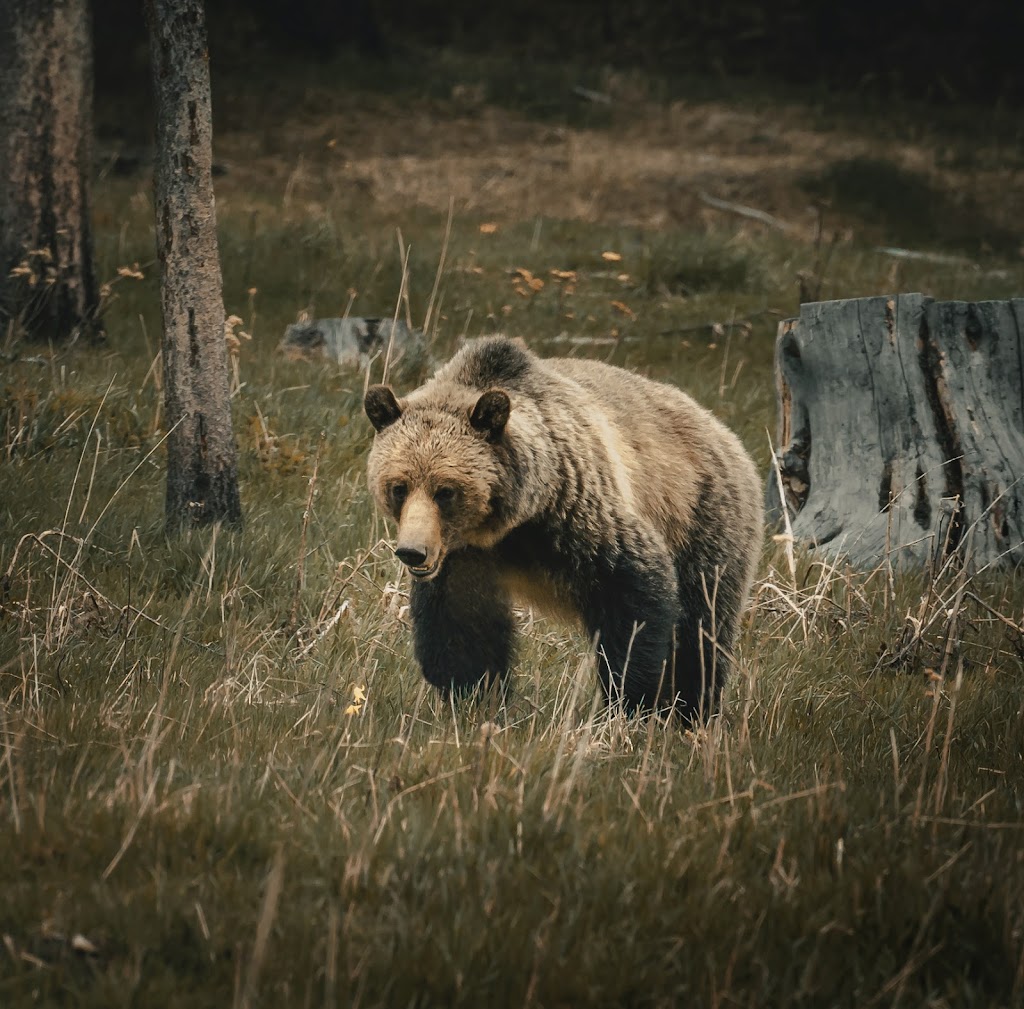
(426, 572)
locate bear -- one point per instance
(581, 489)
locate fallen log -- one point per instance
(901, 430)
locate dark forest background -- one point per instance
(944, 54)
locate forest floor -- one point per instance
(221, 778)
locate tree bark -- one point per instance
(202, 467)
(901, 430)
(48, 288)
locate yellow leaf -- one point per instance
(358, 697)
(611, 257)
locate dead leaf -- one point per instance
(525, 279)
(622, 307)
(611, 257)
(488, 228)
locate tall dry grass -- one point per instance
(222, 780)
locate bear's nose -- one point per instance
(413, 557)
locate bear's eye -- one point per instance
(399, 492)
(444, 495)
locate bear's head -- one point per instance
(440, 467)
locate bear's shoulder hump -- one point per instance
(496, 361)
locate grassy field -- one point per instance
(221, 780)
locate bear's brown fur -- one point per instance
(580, 488)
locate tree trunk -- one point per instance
(202, 467)
(901, 430)
(48, 287)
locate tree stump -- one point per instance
(901, 430)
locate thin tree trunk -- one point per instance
(48, 287)
(202, 467)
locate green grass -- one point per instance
(222, 781)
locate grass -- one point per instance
(222, 781)
(914, 208)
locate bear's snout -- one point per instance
(419, 536)
(418, 561)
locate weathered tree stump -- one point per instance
(901, 430)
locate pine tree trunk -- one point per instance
(901, 430)
(48, 287)
(202, 467)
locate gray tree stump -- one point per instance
(901, 430)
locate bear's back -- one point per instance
(676, 456)
(679, 456)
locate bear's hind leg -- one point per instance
(632, 614)
(463, 629)
(696, 673)
(701, 652)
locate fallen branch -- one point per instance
(592, 96)
(925, 257)
(720, 328)
(751, 212)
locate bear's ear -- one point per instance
(490, 415)
(381, 406)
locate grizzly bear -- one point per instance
(579, 488)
